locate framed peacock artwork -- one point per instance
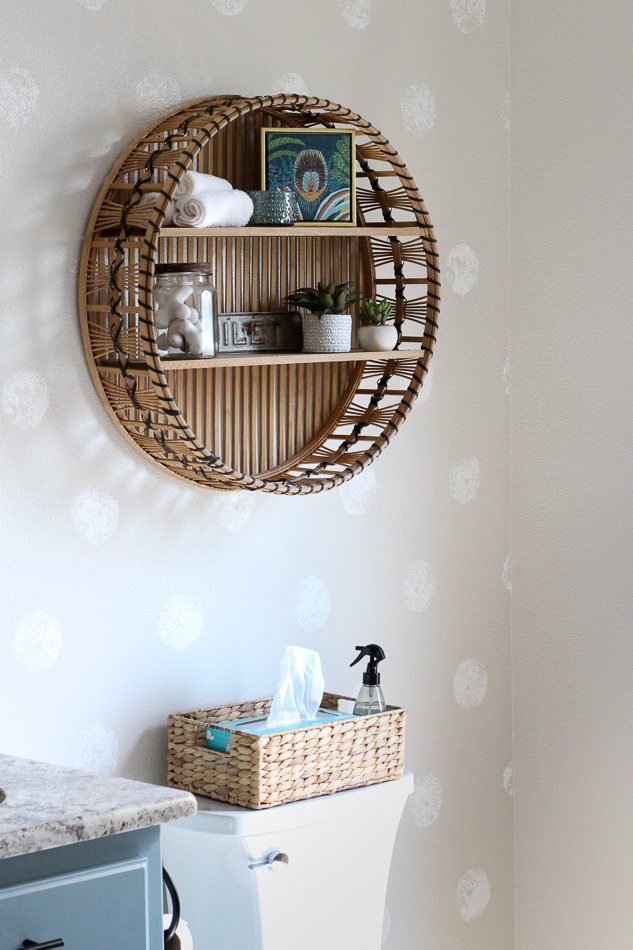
(318, 167)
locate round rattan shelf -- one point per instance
(278, 424)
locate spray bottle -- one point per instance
(370, 698)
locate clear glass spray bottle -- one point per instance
(370, 699)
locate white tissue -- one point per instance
(300, 688)
(194, 183)
(215, 209)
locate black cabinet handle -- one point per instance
(47, 945)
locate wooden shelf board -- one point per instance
(396, 229)
(271, 359)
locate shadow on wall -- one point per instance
(147, 757)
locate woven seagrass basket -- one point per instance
(262, 771)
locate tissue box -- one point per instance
(219, 736)
(259, 771)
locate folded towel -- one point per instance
(193, 184)
(215, 209)
(152, 198)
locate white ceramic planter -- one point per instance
(331, 333)
(378, 338)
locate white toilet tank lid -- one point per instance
(220, 818)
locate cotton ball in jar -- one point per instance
(161, 308)
(176, 341)
(179, 294)
(180, 311)
(175, 334)
(162, 318)
(185, 336)
(193, 339)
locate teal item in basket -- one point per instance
(220, 741)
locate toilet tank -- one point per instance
(290, 877)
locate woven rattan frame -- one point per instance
(330, 419)
(263, 771)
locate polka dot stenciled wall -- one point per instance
(130, 595)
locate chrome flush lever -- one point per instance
(270, 860)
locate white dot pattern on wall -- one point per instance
(19, 96)
(473, 894)
(356, 494)
(235, 509)
(312, 603)
(462, 268)
(38, 641)
(289, 83)
(106, 146)
(506, 573)
(157, 93)
(419, 585)
(357, 13)
(41, 652)
(96, 749)
(386, 925)
(25, 399)
(470, 683)
(181, 621)
(468, 15)
(230, 7)
(95, 515)
(463, 481)
(426, 800)
(419, 109)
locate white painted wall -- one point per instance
(572, 447)
(128, 595)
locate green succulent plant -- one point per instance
(325, 298)
(374, 312)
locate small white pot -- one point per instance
(378, 338)
(331, 333)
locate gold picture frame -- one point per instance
(318, 170)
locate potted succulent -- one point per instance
(374, 333)
(327, 326)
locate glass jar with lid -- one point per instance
(185, 311)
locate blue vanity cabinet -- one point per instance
(95, 895)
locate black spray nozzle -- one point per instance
(376, 654)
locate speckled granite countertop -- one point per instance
(48, 806)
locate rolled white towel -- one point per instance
(219, 209)
(193, 184)
(152, 198)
